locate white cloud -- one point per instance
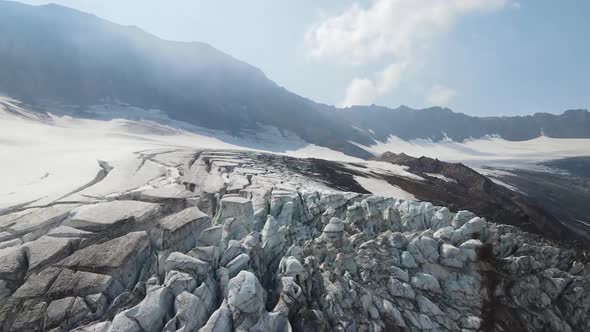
(360, 91)
(390, 77)
(364, 91)
(440, 96)
(387, 29)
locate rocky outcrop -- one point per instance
(276, 256)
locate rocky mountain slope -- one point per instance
(561, 186)
(248, 241)
(51, 55)
(459, 187)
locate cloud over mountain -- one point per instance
(395, 31)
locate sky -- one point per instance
(479, 57)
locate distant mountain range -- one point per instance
(52, 54)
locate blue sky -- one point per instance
(480, 57)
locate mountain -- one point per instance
(52, 55)
(459, 187)
(138, 194)
(55, 54)
(439, 123)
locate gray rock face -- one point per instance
(271, 256)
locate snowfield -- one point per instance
(49, 158)
(486, 149)
(56, 157)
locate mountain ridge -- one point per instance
(56, 54)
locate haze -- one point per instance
(480, 57)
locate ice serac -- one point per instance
(102, 216)
(180, 230)
(283, 252)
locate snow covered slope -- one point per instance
(486, 149)
(48, 157)
(45, 157)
